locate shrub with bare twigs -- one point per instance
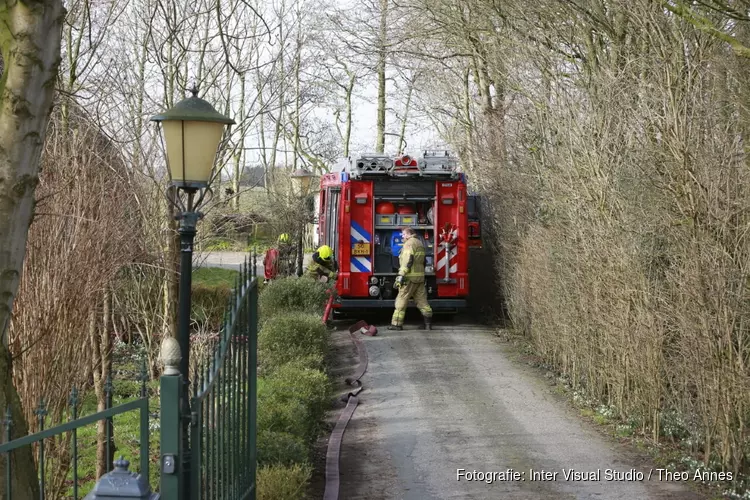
(84, 231)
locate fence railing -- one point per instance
(67, 435)
(222, 409)
(222, 415)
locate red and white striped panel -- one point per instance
(442, 260)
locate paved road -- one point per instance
(230, 260)
(435, 402)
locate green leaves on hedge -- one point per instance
(294, 392)
(212, 288)
(280, 482)
(294, 400)
(289, 337)
(293, 294)
(280, 448)
(310, 385)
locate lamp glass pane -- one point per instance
(301, 185)
(173, 140)
(201, 140)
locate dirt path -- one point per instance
(435, 402)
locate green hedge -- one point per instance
(294, 400)
(279, 413)
(293, 294)
(289, 337)
(212, 288)
(278, 482)
(293, 391)
(281, 448)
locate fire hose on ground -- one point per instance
(351, 399)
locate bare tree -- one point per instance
(372, 32)
(342, 75)
(610, 137)
(85, 231)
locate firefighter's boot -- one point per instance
(427, 323)
(395, 327)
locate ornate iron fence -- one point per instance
(222, 409)
(221, 447)
(66, 434)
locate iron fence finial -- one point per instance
(122, 483)
(121, 464)
(171, 355)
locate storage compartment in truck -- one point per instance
(389, 218)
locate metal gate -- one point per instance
(222, 410)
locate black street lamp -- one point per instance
(192, 132)
(301, 180)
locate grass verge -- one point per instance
(667, 451)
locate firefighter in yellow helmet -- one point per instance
(286, 255)
(322, 264)
(410, 281)
(277, 261)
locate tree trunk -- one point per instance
(348, 133)
(468, 123)
(30, 41)
(137, 161)
(101, 346)
(240, 154)
(24, 472)
(402, 136)
(277, 131)
(297, 97)
(262, 135)
(380, 146)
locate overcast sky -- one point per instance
(365, 130)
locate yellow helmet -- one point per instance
(325, 252)
(284, 238)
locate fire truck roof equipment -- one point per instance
(432, 164)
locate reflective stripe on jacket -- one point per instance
(411, 260)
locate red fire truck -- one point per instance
(363, 204)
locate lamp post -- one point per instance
(192, 133)
(301, 180)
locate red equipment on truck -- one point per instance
(363, 204)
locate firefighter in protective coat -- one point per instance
(410, 281)
(276, 262)
(322, 264)
(286, 256)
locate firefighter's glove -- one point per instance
(399, 282)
